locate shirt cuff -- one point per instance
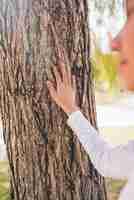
(77, 121)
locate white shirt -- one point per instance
(115, 162)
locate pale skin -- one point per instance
(64, 94)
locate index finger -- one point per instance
(65, 65)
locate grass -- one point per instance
(113, 135)
(113, 186)
(4, 182)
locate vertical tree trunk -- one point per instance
(46, 159)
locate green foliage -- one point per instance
(105, 69)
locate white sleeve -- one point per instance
(115, 162)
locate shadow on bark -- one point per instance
(46, 159)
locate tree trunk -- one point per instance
(46, 160)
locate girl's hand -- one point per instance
(64, 94)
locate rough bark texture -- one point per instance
(46, 160)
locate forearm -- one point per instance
(105, 158)
(88, 136)
(71, 110)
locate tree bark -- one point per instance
(45, 157)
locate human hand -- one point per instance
(64, 94)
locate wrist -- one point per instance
(71, 110)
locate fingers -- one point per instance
(57, 76)
(69, 75)
(66, 71)
(74, 83)
(51, 90)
